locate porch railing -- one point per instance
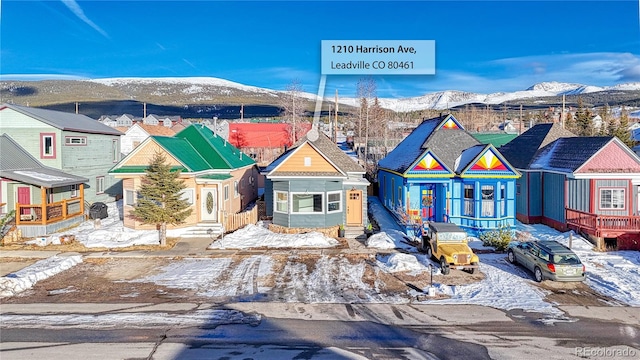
(596, 224)
(29, 214)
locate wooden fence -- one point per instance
(236, 221)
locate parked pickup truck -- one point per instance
(447, 243)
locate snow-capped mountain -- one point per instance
(208, 90)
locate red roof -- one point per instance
(267, 135)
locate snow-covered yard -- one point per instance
(333, 278)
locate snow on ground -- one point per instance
(108, 233)
(391, 234)
(24, 279)
(504, 287)
(252, 236)
(397, 262)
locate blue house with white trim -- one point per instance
(440, 172)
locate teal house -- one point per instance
(440, 172)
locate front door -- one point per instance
(209, 204)
(354, 207)
(427, 202)
(24, 198)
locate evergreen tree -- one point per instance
(622, 131)
(160, 200)
(584, 123)
(570, 123)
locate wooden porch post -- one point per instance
(43, 204)
(17, 213)
(82, 198)
(64, 208)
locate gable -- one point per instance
(489, 164)
(611, 159)
(450, 123)
(144, 153)
(308, 160)
(12, 119)
(429, 165)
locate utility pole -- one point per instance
(241, 112)
(521, 119)
(144, 110)
(76, 107)
(335, 122)
(562, 114)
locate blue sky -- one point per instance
(481, 46)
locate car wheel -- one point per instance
(444, 267)
(429, 252)
(537, 273)
(473, 270)
(512, 257)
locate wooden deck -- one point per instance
(602, 225)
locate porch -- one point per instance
(42, 219)
(601, 226)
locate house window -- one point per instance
(74, 190)
(282, 202)
(503, 200)
(306, 203)
(334, 200)
(75, 140)
(114, 150)
(48, 145)
(242, 183)
(612, 199)
(399, 195)
(393, 195)
(307, 161)
(236, 191)
(99, 184)
(187, 194)
(226, 192)
(469, 205)
(488, 200)
(129, 197)
(518, 188)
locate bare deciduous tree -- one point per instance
(293, 107)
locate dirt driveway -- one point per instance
(258, 276)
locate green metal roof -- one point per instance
(215, 177)
(141, 169)
(184, 151)
(217, 152)
(495, 139)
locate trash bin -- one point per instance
(98, 210)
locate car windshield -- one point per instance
(566, 259)
(452, 236)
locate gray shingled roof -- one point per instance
(445, 144)
(327, 148)
(567, 154)
(65, 121)
(18, 165)
(520, 151)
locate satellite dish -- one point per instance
(313, 134)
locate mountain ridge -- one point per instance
(210, 90)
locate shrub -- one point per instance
(499, 239)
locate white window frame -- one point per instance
(130, 194)
(469, 202)
(189, 195)
(339, 201)
(99, 184)
(613, 200)
(73, 192)
(503, 199)
(307, 161)
(48, 154)
(278, 201)
(226, 192)
(236, 191)
(114, 150)
(292, 202)
(488, 204)
(75, 140)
